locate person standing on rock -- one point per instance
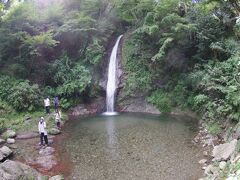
(42, 131)
(47, 105)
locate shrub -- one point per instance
(161, 101)
(24, 96)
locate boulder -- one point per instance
(10, 140)
(27, 135)
(2, 141)
(9, 134)
(11, 170)
(5, 152)
(224, 151)
(222, 165)
(46, 151)
(57, 177)
(210, 169)
(54, 131)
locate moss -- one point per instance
(214, 128)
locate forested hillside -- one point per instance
(185, 54)
(177, 53)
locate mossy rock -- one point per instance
(54, 131)
(9, 134)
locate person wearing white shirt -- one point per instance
(58, 118)
(42, 131)
(47, 105)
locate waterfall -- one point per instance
(112, 78)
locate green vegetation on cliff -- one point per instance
(185, 54)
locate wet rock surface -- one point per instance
(137, 105)
(88, 109)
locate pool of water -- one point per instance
(132, 146)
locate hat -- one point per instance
(42, 118)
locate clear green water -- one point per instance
(132, 146)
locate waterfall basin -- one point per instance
(132, 146)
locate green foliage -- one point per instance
(2, 124)
(214, 128)
(24, 96)
(161, 101)
(94, 53)
(72, 79)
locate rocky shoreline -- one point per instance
(221, 153)
(21, 157)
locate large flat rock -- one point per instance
(27, 135)
(224, 151)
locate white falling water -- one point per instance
(112, 77)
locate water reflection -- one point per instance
(112, 138)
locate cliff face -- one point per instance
(134, 102)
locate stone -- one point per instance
(11, 170)
(10, 141)
(205, 153)
(27, 135)
(9, 134)
(54, 131)
(57, 177)
(222, 165)
(203, 161)
(46, 151)
(2, 141)
(5, 152)
(224, 151)
(46, 162)
(210, 169)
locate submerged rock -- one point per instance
(9, 134)
(11, 170)
(224, 151)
